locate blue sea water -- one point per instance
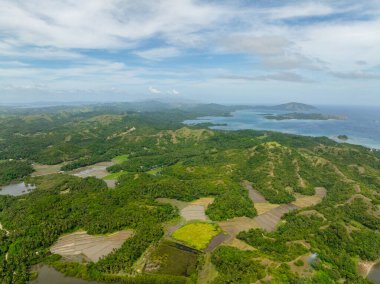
(362, 125)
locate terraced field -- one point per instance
(98, 170)
(90, 247)
(269, 220)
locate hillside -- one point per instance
(190, 205)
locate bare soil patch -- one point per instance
(205, 201)
(269, 220)
(194, 212)
(41, 170)
(262, 208)
(98, 170)
(305, 201)
(254, 195)
(91, 247)
(236, 225)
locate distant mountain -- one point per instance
(294, 107)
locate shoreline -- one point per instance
(365, 267)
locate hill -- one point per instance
(293, 107)
(318, 199)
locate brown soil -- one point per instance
(92, 247)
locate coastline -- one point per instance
(249, 119)
(365, 267)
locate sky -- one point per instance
(238, 51)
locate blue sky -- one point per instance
(322, 52)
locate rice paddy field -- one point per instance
(80, 244)
(173, 259)
(98, 170)
(197, 235)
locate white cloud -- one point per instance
(61, 43)
(158, 53)
(174, 92)
(154, 91)
(101, 24)
(301, 10)
(283, 76)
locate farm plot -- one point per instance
(269, 220)
(90, 247)
(197, 235)
(98, 170)
(172, 258)
(236, 225)
(41, 170)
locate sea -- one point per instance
(362, 125)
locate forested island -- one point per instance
(306, 116)
(259, 206)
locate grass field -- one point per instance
(197, 235)
(154, 171)
(114, 176)
(120, 159)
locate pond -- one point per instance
(374, 274)
(16, 189)
(47, 274)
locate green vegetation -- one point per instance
(236, 266)
(120, 159)
(87, 204)
(197, 235)
(168, 160)
(342, 137)
(14, 170)
(114, 175)
(276, 249)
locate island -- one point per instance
(343, 137)
(306, 116)
(293, 106)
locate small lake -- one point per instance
(16, 189)
(374, 274)
(47, 275)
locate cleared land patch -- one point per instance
(190, 211)
(194, 212)
(262, 208)
(269, 220)
(205, 201)
(98, 170)
(41, 170)
(91, 247)
(306, 201)
(236, 225)
(254, 195)
(197, 235)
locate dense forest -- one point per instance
(167, 159)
